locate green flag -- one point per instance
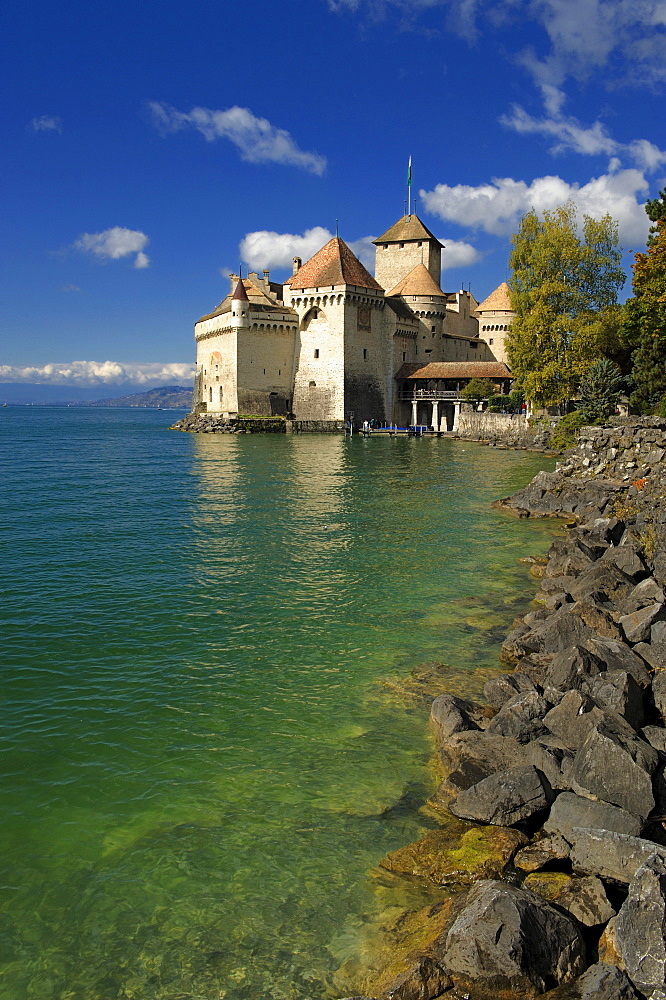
(409, 173)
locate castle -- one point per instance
(336, 344)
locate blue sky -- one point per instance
(149, 148)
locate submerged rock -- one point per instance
(445, 858)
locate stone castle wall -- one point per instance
(505, 429)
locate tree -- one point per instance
(646, 322)
(564, 291)
(600, 390)
(656, 210)
(476, 390)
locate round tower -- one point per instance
(240, 307)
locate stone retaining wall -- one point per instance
(510, 430)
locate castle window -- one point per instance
(312, 385)
(404, 355)
(210, 395)
(279, 371)
(217, 377)
(316, 353)
(490, 341)
(221, 393)
(419, 245)
(473, 346)
(402, 246)
(365, 354)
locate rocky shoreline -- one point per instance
(554, 879)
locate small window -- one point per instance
(473, 345)
(490, 341)
(216, 367)
(404, 355)
(279, 371)
(221, 393)
(313, 385)
(316, 353)
(264, 371)
(402, 246)
(365, 354)
(428, 350)
(419, 245)
(210, 395)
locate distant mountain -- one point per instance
(124, 394)
(166, 397)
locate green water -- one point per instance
(202, 762)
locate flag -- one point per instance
(409, 173)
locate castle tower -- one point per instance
(495, 316)
(240, 307)
(402, 247)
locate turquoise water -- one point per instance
(202, 761)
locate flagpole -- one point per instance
(409, 187)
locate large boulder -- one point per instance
(616, 766)
(570, 811)
(600, 982)
(499, 690)
(521, 717)
(504, 798)
(611, 855)
(618, 691)
(602, 580)
(473, 756)
(573, 719)
(618, 656)
(571, 668)
(541, 853)
(549, 756)
(659, 692)
(450, 715)
(637, 625)
(509, 938)
(640, 927)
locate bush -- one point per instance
(600, 390)
(497, 403)
(565, 434)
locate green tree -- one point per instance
(476, 390)
(646, 323)
(564, 291)
(656, 210)
(600, 390)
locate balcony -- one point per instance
(432, 395)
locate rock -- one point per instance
(541, 853)
(424, 979)
(618, 691)
(616, 767)
(571, 668)
(659, 692)
(618, 656)
(586, 900)
(521, 717)
(559, 631)
(656, 737)
(482, 852)
(640, 926)
(503, 798)
(450, 715)
(654, 653)
(570, 811)
(573, 719)
(610, 855)
(636, 626)
(547, 755)
(508, 938)
(603, 580)
(600, 982)
(646, 592)
(547, 885)
(626, 559)
(474, 756)
(500, 689)
(608, 950)
(597, 618)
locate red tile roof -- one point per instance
(419, 281)
(240, 292)
(334, 264)
(455, 369)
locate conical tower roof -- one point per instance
(419, 281)
(334, 264)
(240, 292)
(499, 300)
(406, 229)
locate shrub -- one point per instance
(565, 434)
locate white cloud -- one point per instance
(268, 249)
(71, 288)
(580, 36)
(497, 207)
(115, 243)
(570, 134)
(93, 373)
(458, 254)
(46, 123)
(257, 140)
